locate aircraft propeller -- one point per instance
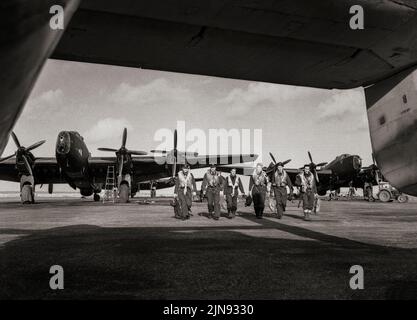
(122, 152)
(174, 153)
(274, 165)
(23, 152)
(313, 167)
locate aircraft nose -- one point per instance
(63, 143)
(357, 163)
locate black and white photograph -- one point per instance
(220, 151)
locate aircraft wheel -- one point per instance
(124, 193)
(27, 194)
(402, 198)
(96, 197)
(384, 196)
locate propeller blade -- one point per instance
(137, 153)
(120, 165)
(8, 157)
(321, 164)
(36, 145)
(174, 167)
(107, 149)
(316, 176)
(272, 157)
(269, 168)
(159, 151)
(124, 139)
(16, 140)
(175, 139)
(311, 158)
(286, 161)
(27, 165)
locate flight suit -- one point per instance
(279, 183)
(308, 190)
(184, 188)
(258, 184)
(232, 186)
(211, 186)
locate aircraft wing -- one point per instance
(204, 161)
(297, 42)
(147, 168)
(45, 170)
(8, 171)
(241, 170)
(324, 175)
(158, 167)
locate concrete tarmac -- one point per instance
(140, 251)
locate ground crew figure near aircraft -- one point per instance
(185, 189)
(279, 182)
(212, 186)
(351, 192)
(232, 185)
(258, 186)
(307, 183)
(367, 191)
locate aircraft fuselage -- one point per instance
(72, 157)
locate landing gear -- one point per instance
(96, 197)
(26, 194)
(124, 193)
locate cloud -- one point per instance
(155, 92)
(46, 100)
(347, 106)
(242, 101)
(107, 129)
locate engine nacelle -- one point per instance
(392, 117)
(86, 192)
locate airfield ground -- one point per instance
(140, 251)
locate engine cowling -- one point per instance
(86, 192)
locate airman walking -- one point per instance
(185, 189)
(232, 186)
(212, 187)
(307, 183)
(258, 186)
(280, 181)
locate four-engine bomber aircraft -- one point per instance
(74, 165)
(296, 42)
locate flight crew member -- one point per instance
(185, 189)
(258, 186)
(212, 187)
(279, 182)
(232, 186)
(307, 183)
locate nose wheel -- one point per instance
(96, 197)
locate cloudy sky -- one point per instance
(99, 101)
